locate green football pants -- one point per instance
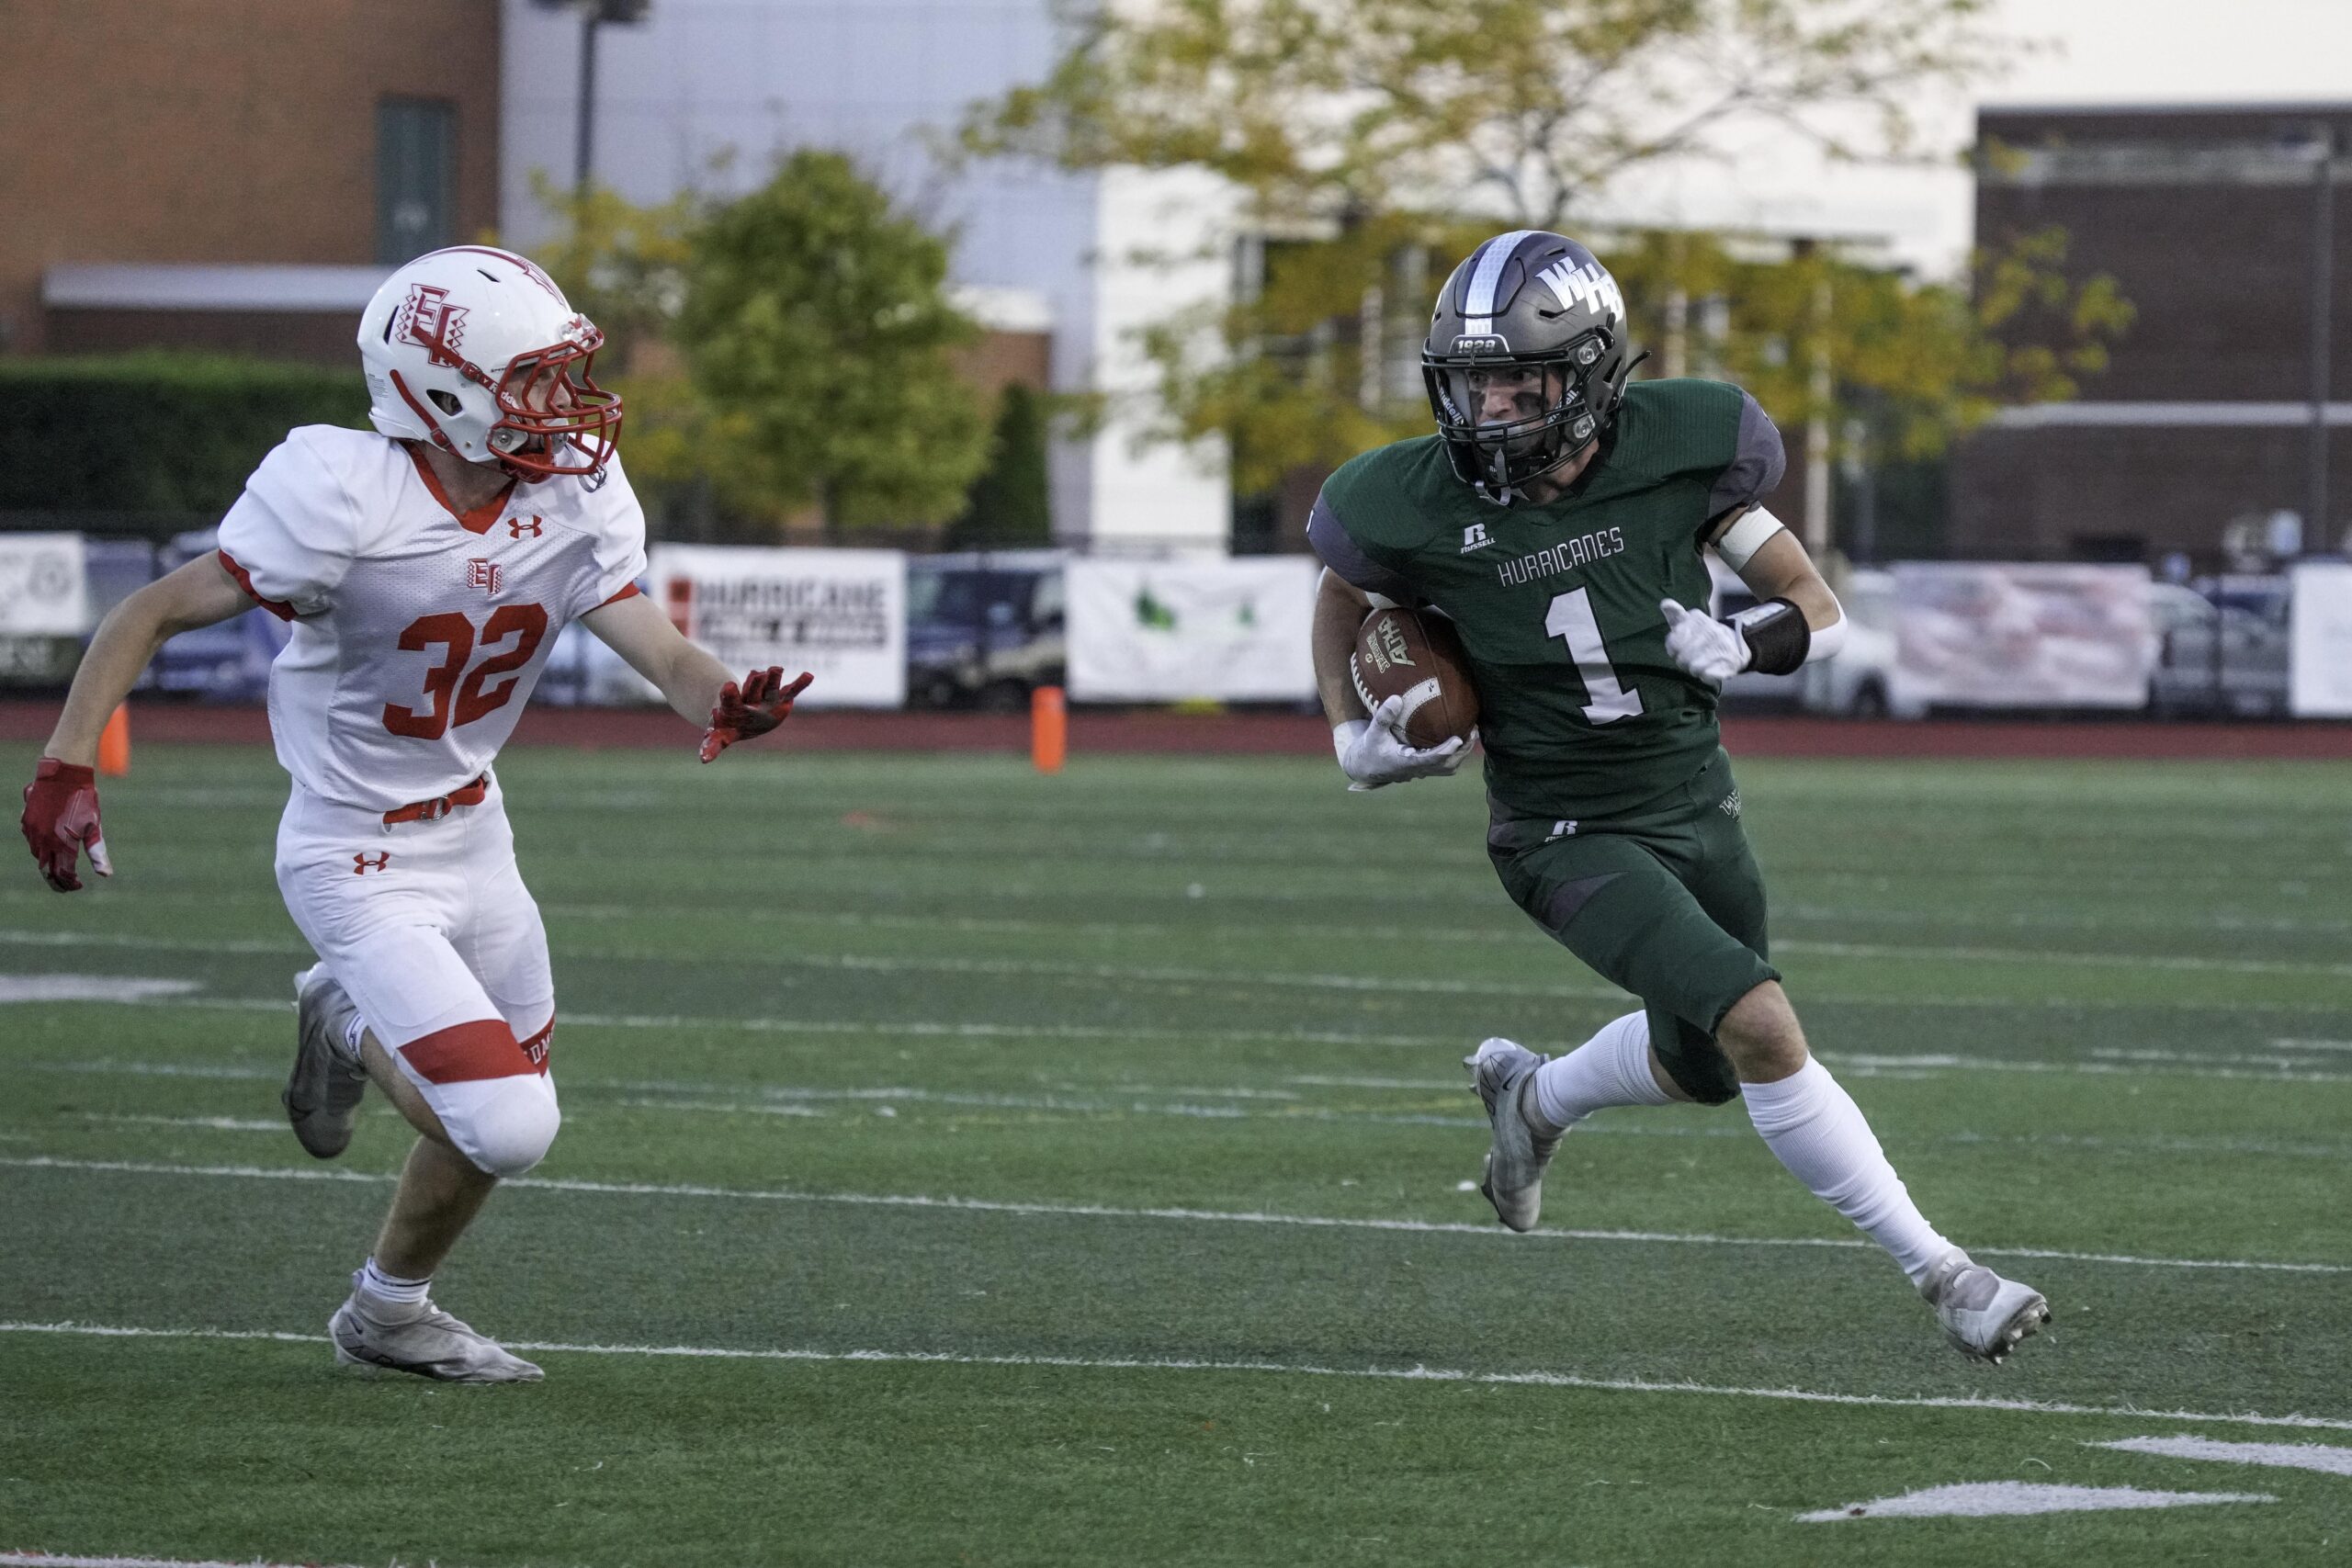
(1666, 901)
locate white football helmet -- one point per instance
(477, 351)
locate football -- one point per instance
(1415, 655)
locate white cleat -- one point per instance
(1504, 1073)
(322, 1094)
(431, 1345)
(1983, 1315)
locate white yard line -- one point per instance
(2311, 1044)
(2280, 1456)
(697, 1098)
(2001, 1499)
(52, 1559)
(1872, 1064)
(1288, 1368)
(212, 1124)
(1111, 1211)
(1183, 975)
(2033, 957)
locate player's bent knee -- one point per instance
(510, 1127)
(1761, 1036)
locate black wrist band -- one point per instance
(1778, 637)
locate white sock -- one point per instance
(1817, 1130)
(1610, 1068)
(390, 1289)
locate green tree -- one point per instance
(1529, 109)
(816, 325)
(1339, 122)
(625, 267)
(1911, 364)
(1008, 504)
(622, 265)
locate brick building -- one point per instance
(2226, 227)
(233, 174)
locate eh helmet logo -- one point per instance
(429, 321)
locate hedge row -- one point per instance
(154, 431)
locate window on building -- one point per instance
(415, 168)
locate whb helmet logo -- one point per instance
(429, 321)
(1587, 285)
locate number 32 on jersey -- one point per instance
(455, 635)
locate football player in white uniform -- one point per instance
(425, 569)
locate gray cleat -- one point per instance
(1983, 1315)
(1504, 1072)
(322, 1094)
(431, 1345)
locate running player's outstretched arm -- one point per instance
(690, 679)
(1778, 568)
(61, 816)
(1796, 620)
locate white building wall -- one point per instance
(1163, 245)
(708, 94)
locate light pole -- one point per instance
(2317, 533)
(593, 14)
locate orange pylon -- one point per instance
(1048, 729)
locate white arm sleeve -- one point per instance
(1826, 640)
(1743, 538)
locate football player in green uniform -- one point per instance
(1558, 519)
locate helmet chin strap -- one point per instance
(440, 436)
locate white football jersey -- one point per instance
(418, 631)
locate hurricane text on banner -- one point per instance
(839, 615)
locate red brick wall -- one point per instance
(221, 130)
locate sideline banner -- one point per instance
(42, 589)
(839, 615)
(2320, 648)
(1234, 630)
(2014, 634)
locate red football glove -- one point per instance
(761, 702)
(61, 819)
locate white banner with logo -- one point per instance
(2319, 667)
(1234, 630)
(839, 615)
(43, 592)
(2010, 635)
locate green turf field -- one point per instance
(963, 1167)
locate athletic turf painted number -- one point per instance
(1571, 617)
(453, 633)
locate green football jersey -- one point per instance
(1582, 713)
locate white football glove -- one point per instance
(1713, 651)
(1372, 754)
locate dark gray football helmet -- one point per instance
(1525, 299)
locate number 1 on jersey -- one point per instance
(1571, 617)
